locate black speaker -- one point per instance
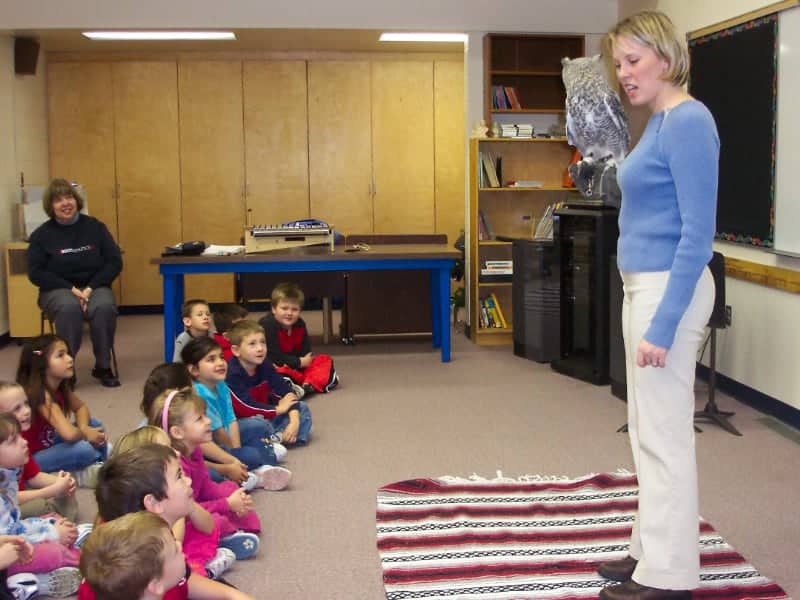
(26, 55)
(717, 267)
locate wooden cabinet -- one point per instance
(276, 140)
(189, 148)
(212, 164)
(148, 172)
(340, 145)
(449, 147)
(531, 64)
(402, 146)
(510, 212)
(24, 318)
(81, 136)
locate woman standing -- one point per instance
(667, 223)
(73, 259)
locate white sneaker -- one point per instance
(297, 389)
(251, 483)
(23, 586)
(84, 529)
(221, 562)
(280, 451)
(273, 478)
(57, 583)
(87, 477)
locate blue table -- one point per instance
(435, 258)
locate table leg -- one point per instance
(440, 299)
(173, 299)
(327, 319)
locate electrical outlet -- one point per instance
(728, 314)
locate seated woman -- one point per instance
(73, 259)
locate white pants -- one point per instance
(661, 426)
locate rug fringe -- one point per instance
(500, 478)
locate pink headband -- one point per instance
(165, 411)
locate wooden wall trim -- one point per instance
(136, 55)
(748, 16)
(766, 275)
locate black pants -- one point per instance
(64, 309)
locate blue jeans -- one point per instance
(253, 451)
(70, 456)
(281, 421)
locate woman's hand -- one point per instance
(650, 355)
(305, 360)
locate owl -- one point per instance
(596, 123)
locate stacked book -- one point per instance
(508, 130)
(525, 130)
(512, 130)
(497, 270)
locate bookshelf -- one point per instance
(499, 214)
(531, 65)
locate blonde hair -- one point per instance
(144, 435)
(655, 30)
(120, 558)
(180, 402)
(242, 329)
(289, 291)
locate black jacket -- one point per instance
(82, 254)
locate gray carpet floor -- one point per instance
(400, 414)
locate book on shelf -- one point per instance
(503, 264)
(513, 97)
(526, 183)
(483, 222)
(544, 229)
(490, 169)
(499, 310)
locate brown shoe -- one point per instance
(618, 570)
(630, 590)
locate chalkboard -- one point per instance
(734, 73)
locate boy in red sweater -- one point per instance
(289, 344)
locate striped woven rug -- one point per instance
(448, 538)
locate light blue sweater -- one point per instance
(669, 205)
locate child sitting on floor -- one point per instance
(45, 372)
(150, 478)
(39, 493)
(53, 539)
(220, 463)
(135, 556)
(224, 318)
(182, 414)
(200, 537)
(196, 317)
(257, 389)
(247, 439)
(289, 344)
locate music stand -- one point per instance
(711, 412)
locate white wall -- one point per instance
(23, 144)
(760, 350)
(465, 15)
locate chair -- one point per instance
(716, 321)
(44, 317)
